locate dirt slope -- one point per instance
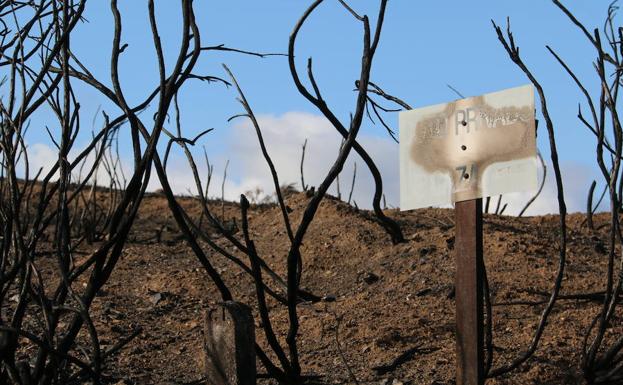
(389, 299)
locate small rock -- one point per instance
(155, 298)
(423, 292)
(416, 238)
(424, 251)
(370, 278)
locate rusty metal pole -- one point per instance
(469, 293)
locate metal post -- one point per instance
(469, 293)
(229, 344)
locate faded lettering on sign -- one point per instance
(468, 149)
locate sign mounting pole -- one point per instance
(469, 293)
(460, 152)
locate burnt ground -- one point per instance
(389, 298)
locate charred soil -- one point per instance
(393, 304)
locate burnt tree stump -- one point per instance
(229, 345)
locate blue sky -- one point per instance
(424, 46)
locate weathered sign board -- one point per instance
(470, 148)
(461, 152)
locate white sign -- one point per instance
(470, 148)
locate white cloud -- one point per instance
(40, 156)
(45, 157)
(284, 135)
